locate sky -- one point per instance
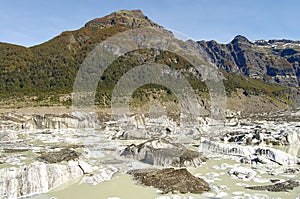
(31, 22)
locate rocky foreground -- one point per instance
(171, 180)
(41, 152)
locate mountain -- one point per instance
(260, 73)
(275, 61)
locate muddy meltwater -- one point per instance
(124, 187)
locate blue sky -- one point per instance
(32, 22)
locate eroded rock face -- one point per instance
(277, 187)
(237, 56)
(35, 178)
(171, 180)
(163, 153)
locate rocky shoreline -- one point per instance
(41, 152)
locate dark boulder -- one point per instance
(277, 187)
(59, 156)
(170, 180)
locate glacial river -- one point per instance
(213, 171)
(124, 187)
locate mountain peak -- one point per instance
(131, 13)
(240, 39)
(131, 18)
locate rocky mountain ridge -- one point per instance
(45, 73)
(275, 61)
(132, 18)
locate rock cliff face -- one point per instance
(270, 61)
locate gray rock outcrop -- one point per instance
(275, 59)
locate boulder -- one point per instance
(59, 156)
(277, 187)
